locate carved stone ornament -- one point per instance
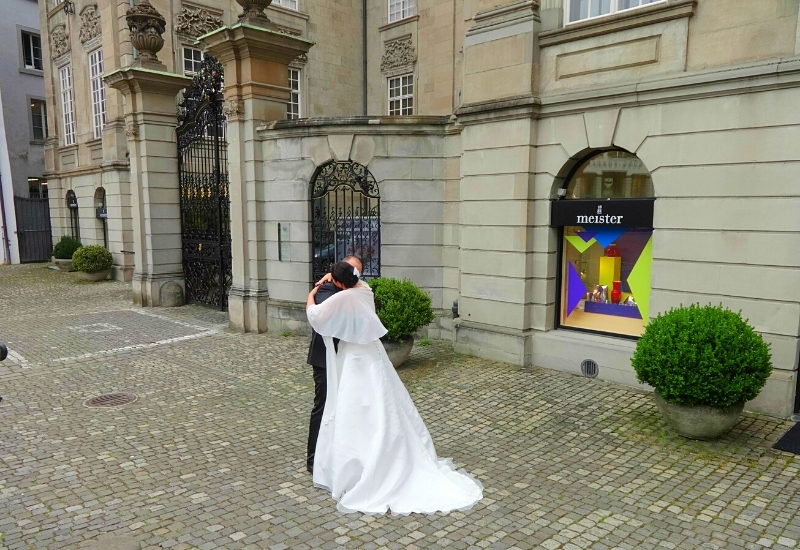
(146, 26)
(253, 13)
(59, 40)
(233, 110)
(399, 53)
(301, 59)
(132, 130)
(90, 23)
(196, 22)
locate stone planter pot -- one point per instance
(99, 276)
(699, 421)
(398, 351)
(63, 265)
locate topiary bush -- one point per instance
(402, 307)
(65, 248)
(702, 356)
(92, 259)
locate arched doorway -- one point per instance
(74, 218)
(605, 218)
(345, 217)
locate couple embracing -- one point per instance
(367, 443)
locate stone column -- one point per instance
(256, 62)
(155, 202)
(151, 118)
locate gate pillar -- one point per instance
(155, 201)
(256, 64)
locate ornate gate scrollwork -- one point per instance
(345, 217)
(203, 178)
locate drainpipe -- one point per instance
(364, 32)
(6, 242)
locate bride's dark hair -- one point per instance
(343, 273)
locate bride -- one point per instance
(374, 452)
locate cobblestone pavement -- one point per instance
(211, 455)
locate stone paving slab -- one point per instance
(211, 455)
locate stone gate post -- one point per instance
(256, 61)
(150, 116)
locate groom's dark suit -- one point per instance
(316, 358)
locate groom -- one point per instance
(316, 358)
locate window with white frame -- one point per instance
(98, 90)
(578, 10)
(291, 4)
(67, 104)
(293, 107)
(401, 95)
(39, 119)
(400, 9)
(32, 51)
(192, 59)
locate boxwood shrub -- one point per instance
(92, 259)
(65, 248)
(702, 356)
(402, 307)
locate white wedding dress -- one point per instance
(374, 452)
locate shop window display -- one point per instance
(606, 249)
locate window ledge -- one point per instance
(289, 11)
(34, 72)
(37, 142)
(399, 23)
(628, 19)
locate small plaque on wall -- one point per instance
(284, 242)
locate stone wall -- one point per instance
(407, 159)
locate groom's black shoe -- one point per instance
(310, 467)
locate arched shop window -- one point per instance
(605, 218)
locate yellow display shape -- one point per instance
(609, 271)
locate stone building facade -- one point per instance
(87, 153)
(563, 170)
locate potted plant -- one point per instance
(93, 261)
(403, 308)
(704, 363)
(63, 251)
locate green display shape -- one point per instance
(639, 280)
(579, 243)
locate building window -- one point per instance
(400, 9)
(37, 188)
(606, 245)
(293, 107)
(39, 119)
(98, 89)
(32, 51)
(291, 4)
(67, 105)
(578, 10)
(401, 95)
(192, 58)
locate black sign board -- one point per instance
(101, 213)
(72, 202)
(602, 212)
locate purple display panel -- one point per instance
(612, 309)
(576, 290)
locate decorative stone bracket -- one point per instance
(196, 22)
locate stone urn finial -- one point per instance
(146, 26)
(253, 13)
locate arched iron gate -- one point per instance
(204, 198)
(345, 217)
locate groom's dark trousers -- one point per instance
(316, 358)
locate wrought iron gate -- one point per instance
(203, 177)
(345, 217)
(33, 229)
